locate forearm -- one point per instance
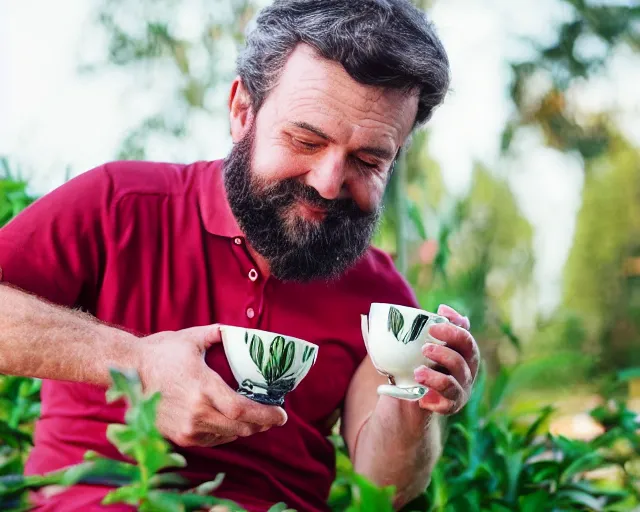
(42, 340)
(399, 445)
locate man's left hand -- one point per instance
(451, 381)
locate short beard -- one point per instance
(294, 248)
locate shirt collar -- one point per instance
(216, 212)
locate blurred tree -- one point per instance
(186, 48)
(543, 87)
(597, 285)
(546, 91)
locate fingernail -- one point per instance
(419, 371)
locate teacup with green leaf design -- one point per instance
(265, 364)
(394, 336)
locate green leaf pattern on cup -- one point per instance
(395, 324)
(256, 350)
(308, 352)
(279, 360)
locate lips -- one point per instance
(310, 211)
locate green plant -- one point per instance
(144, 483)
(494, 461)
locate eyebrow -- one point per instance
(378, 152)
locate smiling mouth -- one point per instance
(311, 212)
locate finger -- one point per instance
(461, 341)
(454, 317)
(453, 362)
(214, 422)
(435, 402)
(239, 408)
(209, 440)
(203, 336)
(446, 385)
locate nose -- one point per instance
(328, 176)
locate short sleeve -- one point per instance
(55, 247)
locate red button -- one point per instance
(251, 313)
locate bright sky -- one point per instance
(52, 119)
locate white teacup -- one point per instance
(394, 336)
(266, 365)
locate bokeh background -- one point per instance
(519, 204)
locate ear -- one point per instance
(240, 110)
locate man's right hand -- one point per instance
(197, 407)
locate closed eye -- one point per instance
(366, 164)
(303, 144)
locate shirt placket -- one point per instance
(253, 303)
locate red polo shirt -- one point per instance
(154, 247)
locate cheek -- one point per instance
(368, 192)
(274, 163)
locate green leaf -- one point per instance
(395, 322)
(156, 460)
(124, 384)
(533, 428)
(287, 359)
(272, 368)
(534, 502)
(256, 350)
(280, 507)
(101, 471)
(124, 438)
(208, 487)
(246, 337)
(415, 216)
(308, 352)
(585, 463)
(162, 502)
(416, 328)
(167, 480)
(581, 498)
(129, 494)
(371, 498)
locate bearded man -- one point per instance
(136, 264)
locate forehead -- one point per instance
(311, 88)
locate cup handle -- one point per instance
(411, 394)
(364, 325)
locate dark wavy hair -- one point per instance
(388, 43)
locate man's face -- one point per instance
(307, 174)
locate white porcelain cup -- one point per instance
(394, 336)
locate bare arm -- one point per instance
(42, 340)
(392, 442)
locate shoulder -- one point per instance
(108, 183)
(375, 278)
(138, 178)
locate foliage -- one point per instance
(194, 54)
(495, 461)
(13, 193)
(144, 482)
(563, 64)
(608, 228)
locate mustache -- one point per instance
(288, 191)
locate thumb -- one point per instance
(204, 337)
